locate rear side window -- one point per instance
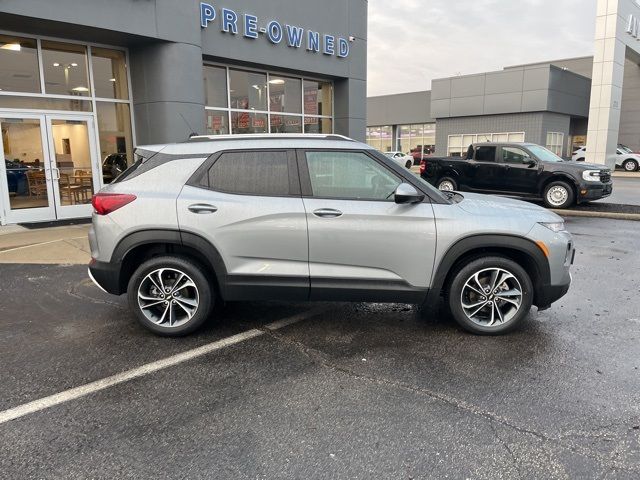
(251, 173)
(486, 154)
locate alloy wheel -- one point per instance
(168, 297)
(491, 297)
(630, 166)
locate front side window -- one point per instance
(251, 173)
(486, 154)
(350, 175)
(514, 155)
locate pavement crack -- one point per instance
(73, 291)
(562, 440)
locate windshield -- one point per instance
(625, 149)
(544, 154)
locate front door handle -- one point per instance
(327, 212)
(202, 208)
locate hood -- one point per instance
(494, 206)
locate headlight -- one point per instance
(591, 175)
(554, 226)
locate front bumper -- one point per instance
(106, 276)
(587, 192)
(548, 294)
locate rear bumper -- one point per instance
(106, 276)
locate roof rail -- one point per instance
(268, 136)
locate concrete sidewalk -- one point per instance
(54, 245)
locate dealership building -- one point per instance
(561, 104)
(84, 82)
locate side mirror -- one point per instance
(406, 193)
(530, 162)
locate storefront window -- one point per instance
(285, 94)
(318, 125)
(386, 139)
(249, 122)
(65, 69)
(19, 65)
(217, 122)
(215, 86)
(109, 73)
(116, 143)
(286, 123)
(318, 98)
(248, 90)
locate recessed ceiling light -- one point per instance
(74, 64)
(56, 64)
(112, 79)
(15, 47)
(276, 81)
(80, 89)
(256, 87)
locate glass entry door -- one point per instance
(48, 166)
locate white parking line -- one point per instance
(40, 244)
(89, 388)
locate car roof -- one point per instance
(208, 144)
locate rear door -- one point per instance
(362, 245)
(247, 204)
(519, 174)
(484, 172)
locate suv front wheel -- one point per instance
(170, 296)
(490, 296)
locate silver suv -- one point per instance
(315, 217)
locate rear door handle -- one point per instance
(327, 212)
(202, 208)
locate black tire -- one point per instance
(484, 265)
(453, 183)
(630, 165)
(563, 200)
(408, 164)
(203, 292)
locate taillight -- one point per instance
(423, 166)
(105, 203)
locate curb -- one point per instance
(612, 215)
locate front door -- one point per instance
(519, 173)
(362, 245)
(48, 166)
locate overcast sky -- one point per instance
(411, 42)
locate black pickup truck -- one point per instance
(519, 169)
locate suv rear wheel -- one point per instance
(490, 296)
(558, 195)
(170, 295)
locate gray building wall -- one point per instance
(167, 47)
(399, 109)
(534, 124)
(580, 65)
(518, 90)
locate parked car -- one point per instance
(401, 158)
(625, 158)
(519, 169)
(16, 177)
(315, 217)
(113, 165)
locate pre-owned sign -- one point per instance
(249, 27)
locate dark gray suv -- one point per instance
(315, 217)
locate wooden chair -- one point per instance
(36, 183)
(69, 190)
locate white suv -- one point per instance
(625, 158)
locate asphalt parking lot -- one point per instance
(333, 391)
